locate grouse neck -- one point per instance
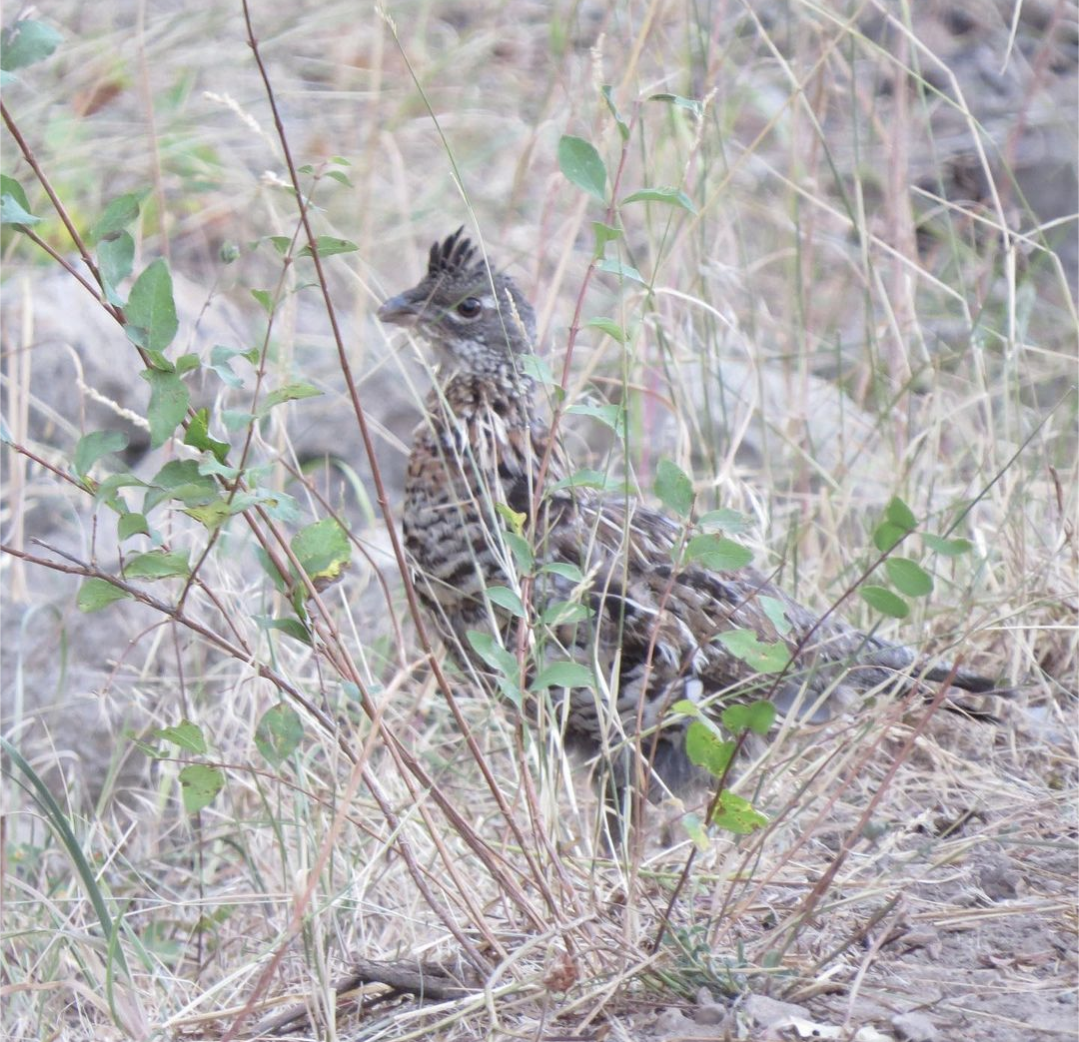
(506, 382)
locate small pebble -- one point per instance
(711, 1014)
(766, 1011)
(914, 1027)
(672, 1022)
(999, 881)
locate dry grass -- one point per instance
(844, 319)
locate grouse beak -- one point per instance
(400, 311)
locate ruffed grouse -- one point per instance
(646, 626)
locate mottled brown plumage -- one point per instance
(648, 629)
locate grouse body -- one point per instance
(604, 588)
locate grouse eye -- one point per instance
(470, 307)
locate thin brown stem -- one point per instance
(376, 474)
(713, 804)
(64, 263)
(59, 207)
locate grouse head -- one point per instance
(476, 317)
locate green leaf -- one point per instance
(623, 271)
(718, 553)
(106, 491)
(328, 245)
(281, 243)
(168, 404)
(707, 750)
(695, 830)
(610, 327)
(886, 535)
(679, 102)
(757, 717)
(280, 582)
(115, 260)
(221, 363)
(287, 393)
(26, 42)
(586, 477)
(666, 194)
(199, 784)
(323, 549)
(279, 505)
(504, 597)
(604, 234)
(501, 661)
(581, 164)
(180, 479)
(521, 550)
(563, 674)
(567, 571)
(185, 735)
(776, 611)
(210, 465)
(340, 177)
(236, 420)
(613, 416)
(290, 627)
(186, 363)
(900, 515)
(215, 513)
(131, 523)
(93, 446)
(119, 213)
(673, 487)
(563, 613)
(95, 594)
(731, 521)
(279, 733)
(157, 564)
(623, 127)
(12, 213)
(14, 206)
(492, 652)
(737, 815)
(515, 519)
(9, 186)
(684, 707)
(265, 298)
(151, 311)
(881, 599)
(157, 360)
(947, 547)
(63, 824)
(198, 436)
(747, 646)
(908, 577)
(538, 369)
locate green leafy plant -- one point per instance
(906, 575)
